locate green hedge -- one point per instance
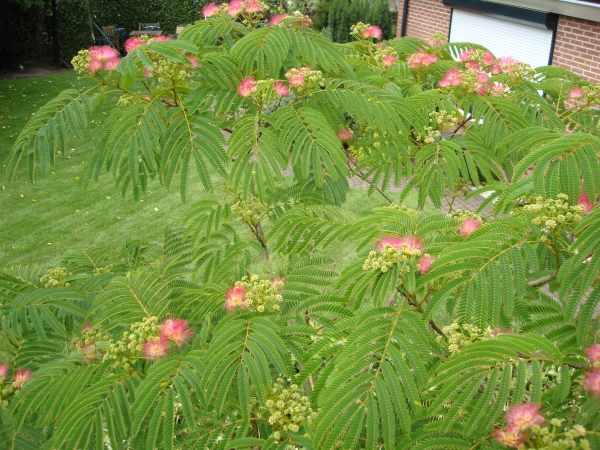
(21, 33)
(74, 28)
(343, 14)
(129, 13)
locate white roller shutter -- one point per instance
(527, 43)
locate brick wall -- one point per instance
(425, 17)
(577, 47)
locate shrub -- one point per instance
(241, 330)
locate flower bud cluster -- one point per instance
(81, 61)
(56, 278)
(257, 294)
(386, 56)
(171, 73)
(524, 431)
(103, 270)
(390, 254)
(9, 389)
(128, 349)
(439, 121)
(551, 214)
(305, 79)
(250, 211)
(471, 221)
(287, 408)
(87, 344)
(461, 335)
(436, 41)
(421, 59)
(365, 31)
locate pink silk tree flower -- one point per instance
(235, 7)
(466, 55)
(593, 353)
(247, 87)
(389, 60)
(86, 327)
(176, 331)
(412, 243)
(523, 417)
(488, 58)
(155, 350)
(3, 370)
(253, 6)
(510, 437)
(295, 80)
(281, 89)
(132, 43)
(497, 89)
(392, 241)
(104, 57)
(451, 78)
(373, 32)
(193, 61)
(584, 201)
(469, 226)
(425, 262)
(21, 377)
(210, 10)
(276, 19)
(591, 382)
(575, 93)
(344, 135)
(278, 283)
(429, 59)
(235, 297)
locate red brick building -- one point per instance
(564, 33)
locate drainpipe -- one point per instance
(404, 18)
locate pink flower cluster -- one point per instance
(373, 32)
(234, 8)
(389, 60)
(575, 93)
(296, 79)
(591, 381)
(456, 77)
(411, 243)
(104, 57)
(519, 418)
(585, 201)
(278, 19)
(234, 297)
(469, 225)
(19, 378)
(247, 87)
(172, 330)
(134, 42)
(474, 61)
(344, 135)
(421, 59)
(210, 10)
(505, 64)
(451, 78)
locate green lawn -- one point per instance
(40, 222)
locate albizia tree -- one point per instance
(443, 329)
